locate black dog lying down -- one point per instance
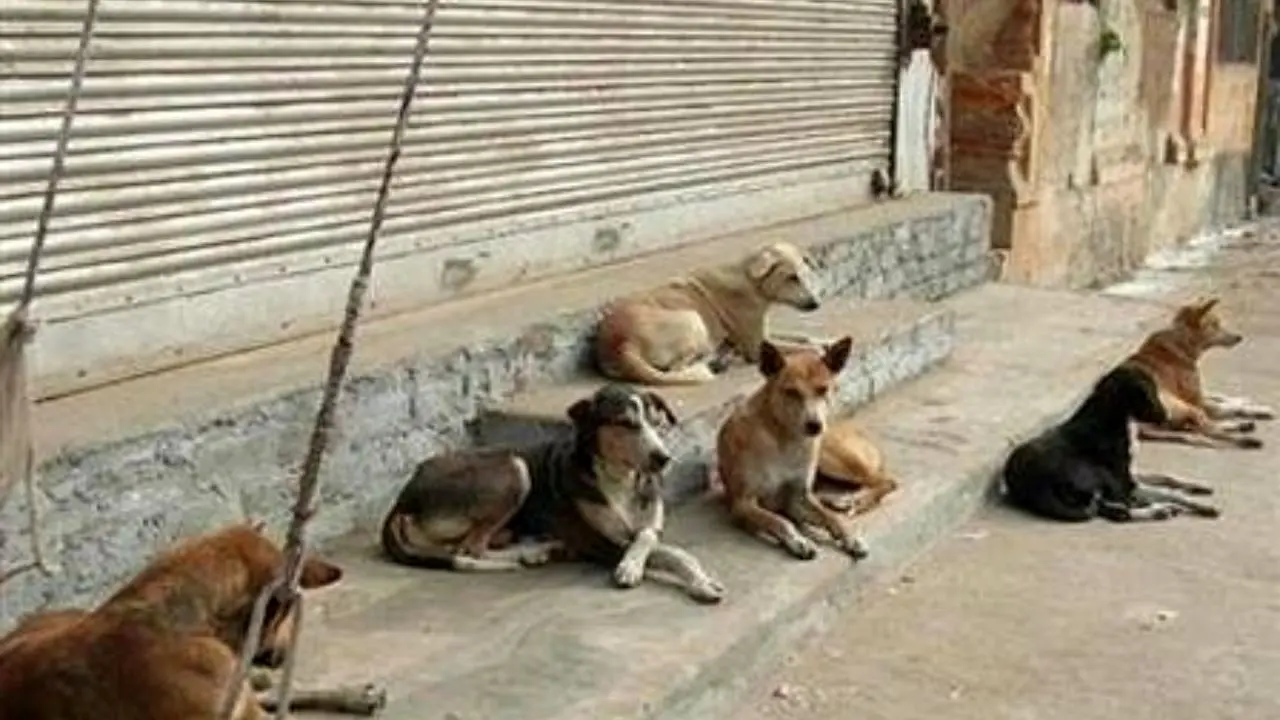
(1081, 469)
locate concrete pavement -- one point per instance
(1013, 618)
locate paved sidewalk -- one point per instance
(1019, 619)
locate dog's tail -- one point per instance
(629, 364)
(398, 549)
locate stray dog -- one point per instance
(596, 496)
(768, 450)
(1081, 469)
(1171, 356)
(849, 461)
(686, 331)
(165, 647)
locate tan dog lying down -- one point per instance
(1171, 356)
(165, 647)
(681, 332)
(768, 450)
(852, 476)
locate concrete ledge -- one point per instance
(560, 643)
(132, 466)
(894, 341)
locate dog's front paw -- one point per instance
(1248, 443)
(720, 363)
(855, 547)
(708, 592)
(535, 556)
(628, 574)
(801, 547)
(1165, 512)
(1208, 512)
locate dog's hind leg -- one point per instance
(512, 557)
(1124, 512)
(874, 493)
(360, 700)
(841, 501)
(698, 583)
(1153, 497)
(1172, 483)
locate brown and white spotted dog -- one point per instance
(596, 495)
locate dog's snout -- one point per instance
(659, 459)
(812, 427)
(811, 305)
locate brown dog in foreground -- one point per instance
(686, 331)
(852, 477)
(165, 647)
(768, 450)
(1171, 356)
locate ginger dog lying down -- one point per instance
(683, 332)
(596, 495)
(767, 451)
(1171, 356)
(165, 647)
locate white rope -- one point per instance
(18, 320)
(59, 157)
(285, 587)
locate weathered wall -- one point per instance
(1113, 155)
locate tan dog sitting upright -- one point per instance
(851, 470)
(682, 332)
(768, 450)
(165, 647)
(1171, 356)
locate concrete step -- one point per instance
(894, 341)
(559, 643)
(132, 466)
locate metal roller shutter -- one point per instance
(221, 143)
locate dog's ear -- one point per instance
(1204, 307)
(1187, 315)
(837, 354)
(317, 573)
(771, 359)
(258, 526)
(762, 263)
(580, 412)
(660, 404)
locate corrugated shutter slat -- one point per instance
(250, 134)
